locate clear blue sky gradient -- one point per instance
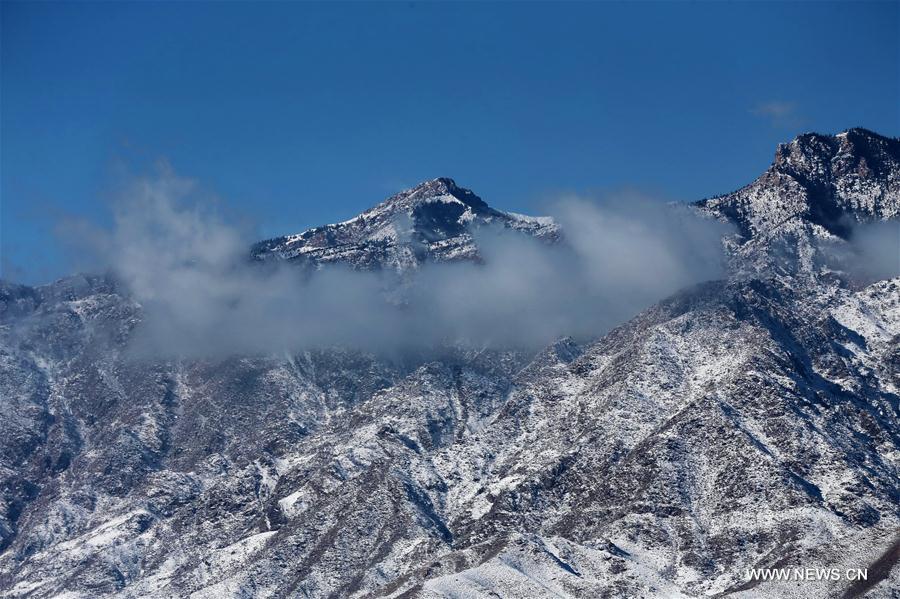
(300, 114)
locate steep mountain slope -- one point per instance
(830, 181)
(744, 423)
(432, 221)
(816, 190)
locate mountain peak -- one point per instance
(811, 154)
(437, 185)
(829, 181)
(862, 132)
(432, 190)
(430, 221)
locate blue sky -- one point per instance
(299, 114)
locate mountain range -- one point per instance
(747, 422)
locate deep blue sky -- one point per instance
(300, 114)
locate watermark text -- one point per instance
(809, 574)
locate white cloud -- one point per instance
(778, 112)
(203, 296)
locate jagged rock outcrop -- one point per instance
(430, 222)
(828, 181)
(816, 192)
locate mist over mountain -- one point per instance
(429, 266)
(440, 399)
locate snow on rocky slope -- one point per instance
(750, 422)
(816, 190)
(432, 221)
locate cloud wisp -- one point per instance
(872, 254)
(202, 296)
(778, 113)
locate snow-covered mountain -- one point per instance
(432, 221)
(817, 189)
(749, 422)
(829, 181)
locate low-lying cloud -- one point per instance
(201, 295)
(873, 252)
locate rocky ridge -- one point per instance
(433, 221)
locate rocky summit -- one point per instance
(433, 221)
(749, 422)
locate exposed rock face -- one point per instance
(743, 423)
(817, 189)
(828, 181)
(430, 222)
